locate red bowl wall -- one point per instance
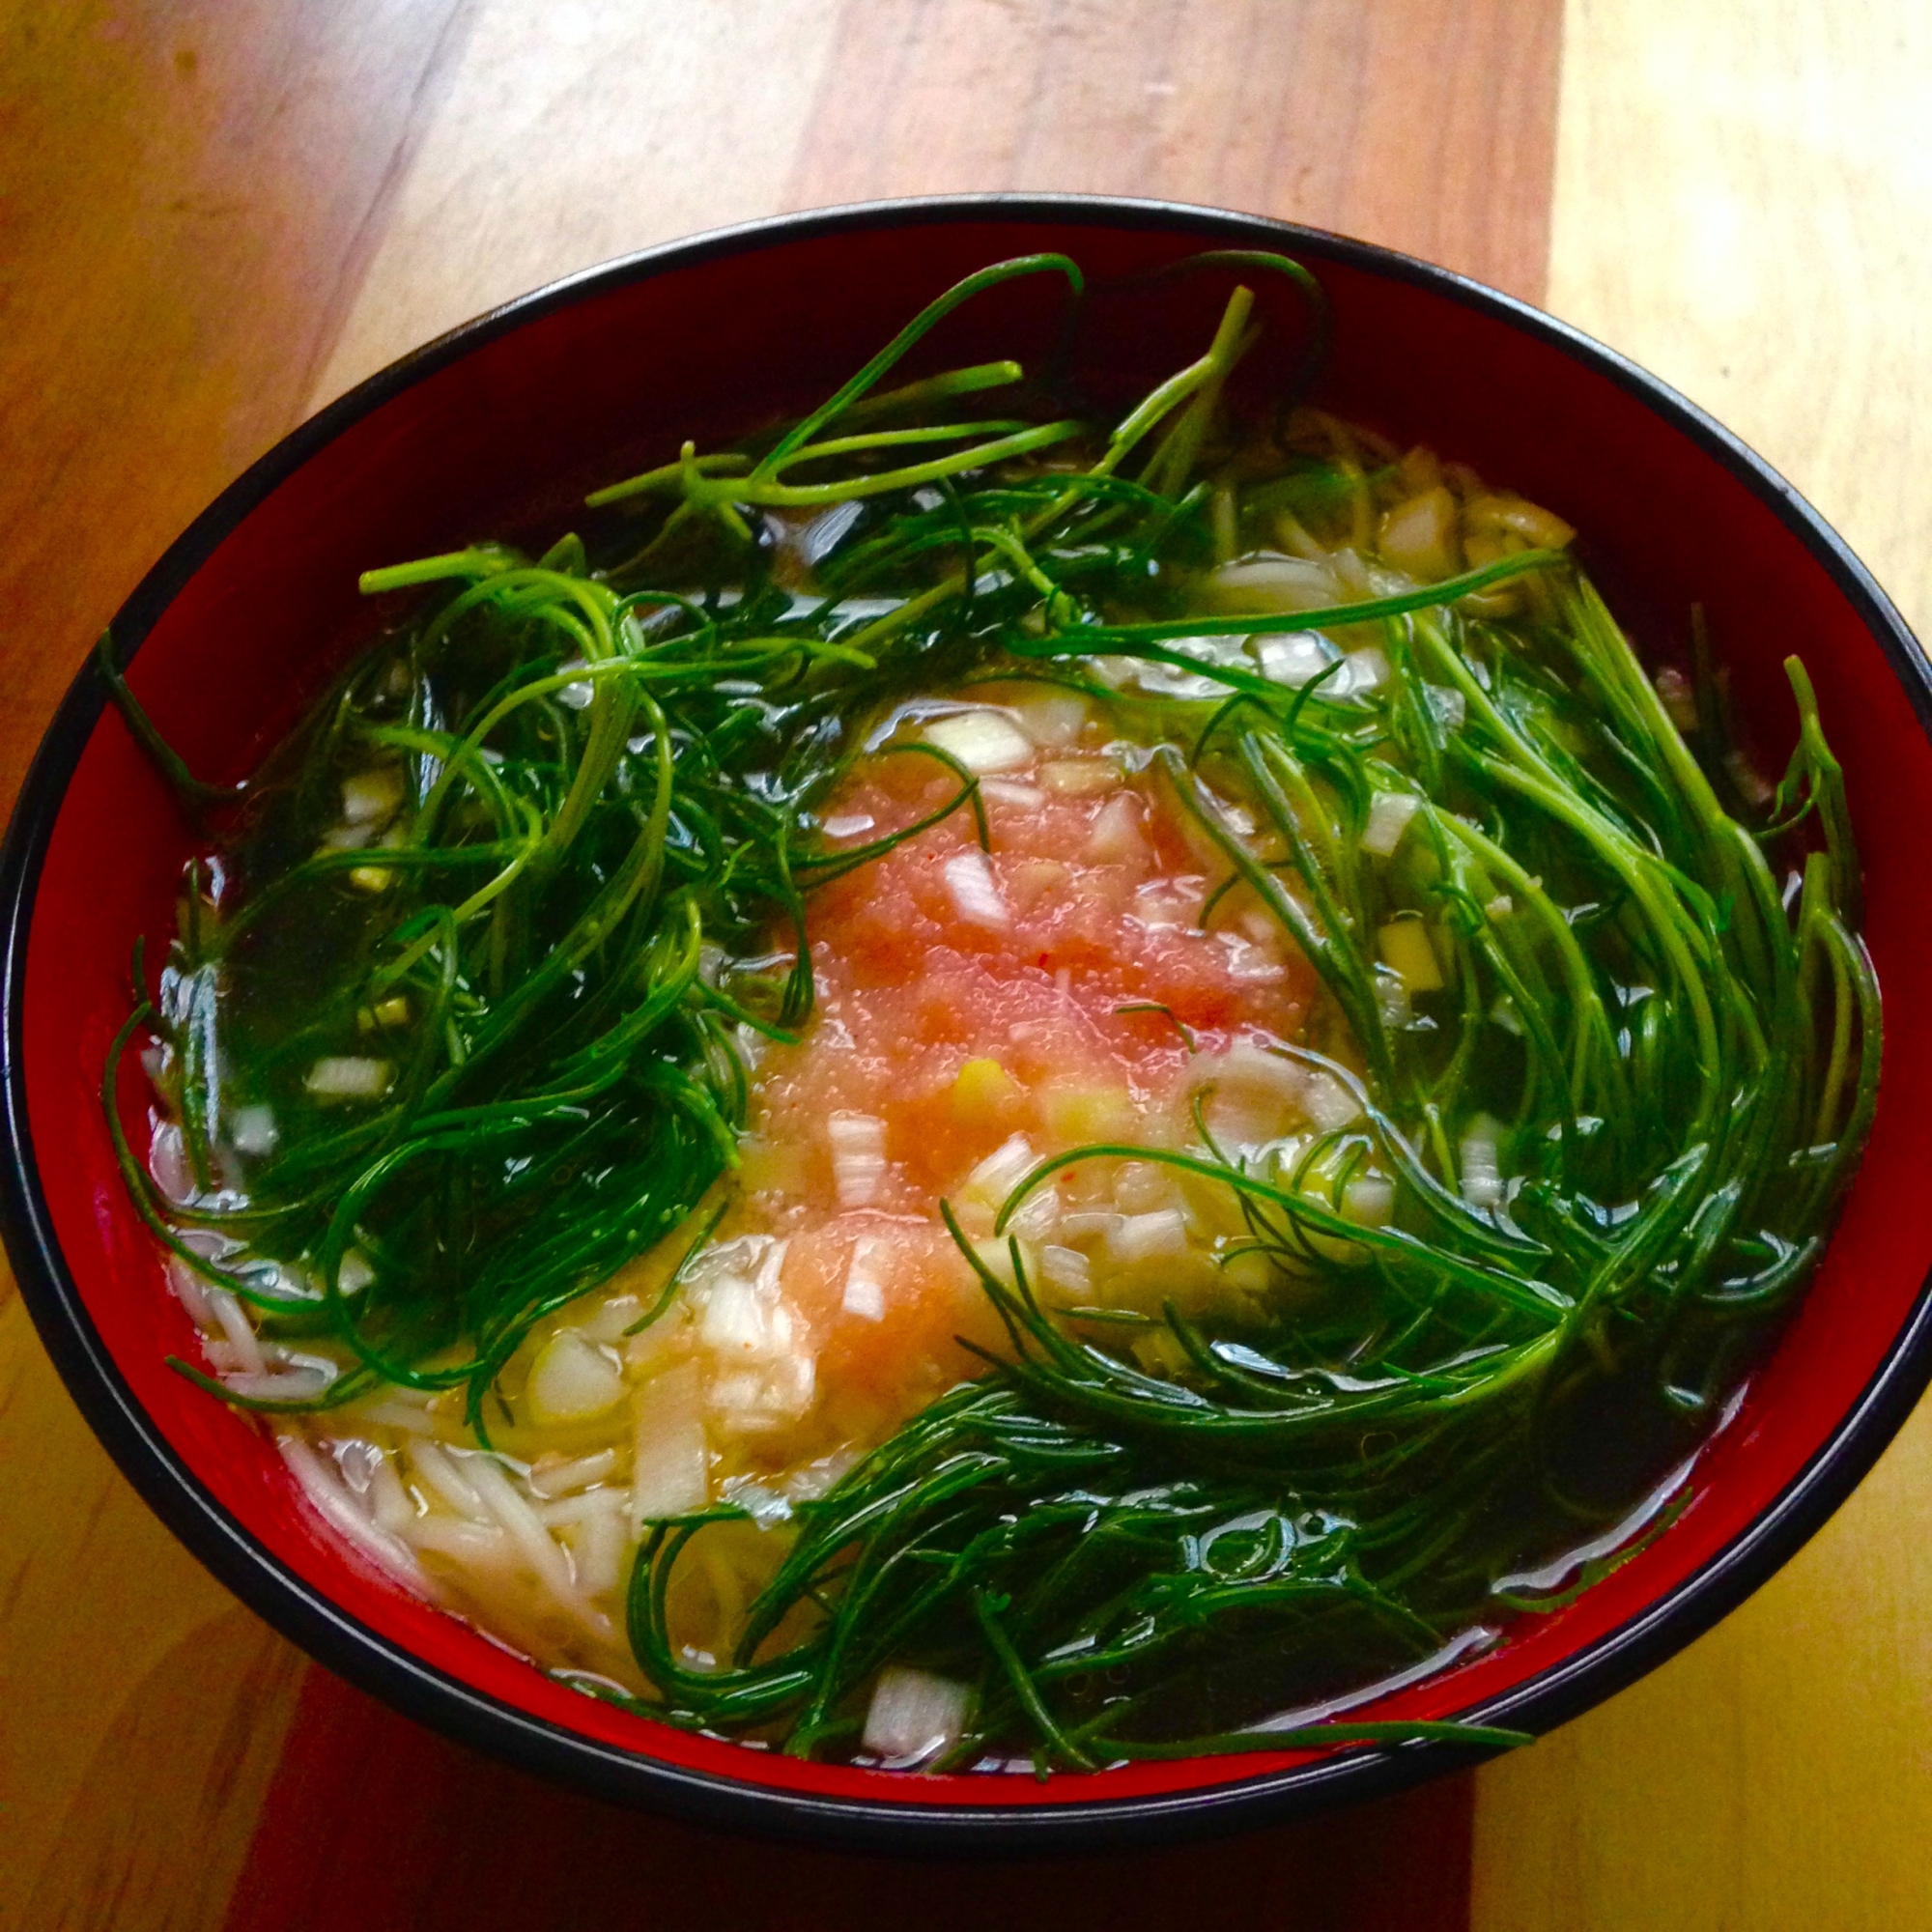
(623, 368)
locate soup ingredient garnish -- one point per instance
(465, 1013)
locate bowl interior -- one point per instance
(244, 618)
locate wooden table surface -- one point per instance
(216, 214)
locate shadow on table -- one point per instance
(372, 1823)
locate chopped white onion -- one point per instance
(982, 741)
(976, 892)
(670, 1461)
(1038, 1216)
(1477, 1157)
(996, 1257)
(771, 1267)
(1392, 998)
(1369, 1200)
(778, 1390)
(1295, 658)
(1227, 649)
(816, 1478)
(349, 1077)
(738, 1319)
(1140, 1237)
(1268, 583)
(572, 1380)
(857, 1157)
(1239, 1119)
(1067, 1269)
(766, 1374)
(1114, 838)
(755, 1258)
(576, 695)
(1088, 1224)
(1053, 718)
(848, 824)
(1248, 962)
(826, 531)
(368, 798)
(1328, 1104)
(252, 1130)
(1248, 1067)
(865, 1294)
(765, 1506)
(1167, 902)
(1258, 924)
(597, 1552)
(1168, 680)
(1368, 671)
(609, 1320)
(1011, 792)
(1076, 778)
(914, 1714)
(1140, 1186)
(1001, 1172)
(1389, 814)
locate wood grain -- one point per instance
(1744, 204)
(1424, 124)
(576, 131)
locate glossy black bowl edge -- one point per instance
(309, 1618)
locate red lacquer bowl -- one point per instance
(509, 417)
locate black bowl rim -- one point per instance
(309, 1618)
